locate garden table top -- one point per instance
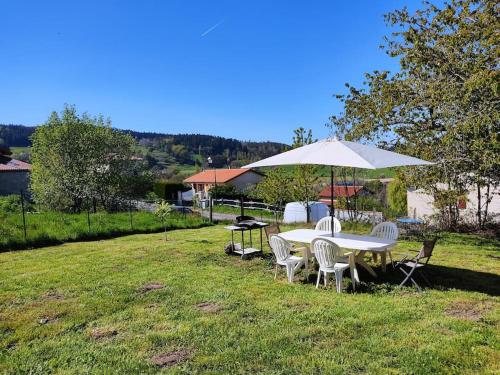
(343, 240)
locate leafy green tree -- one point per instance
(396, 196)
(274, 189)
(443, 103)
(306, 176)
(81, 159)
(162, 213)
(4, 148)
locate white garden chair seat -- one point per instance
(331, 259)
(281, 249)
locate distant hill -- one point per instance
(167, 150)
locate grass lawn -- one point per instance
(118, 306)
(49, 228)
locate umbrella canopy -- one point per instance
(337, 153)
(340, 154)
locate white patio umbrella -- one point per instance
(337, 153)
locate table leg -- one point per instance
(242, 243)
(306, 263)
(361, 261)
(383, 261)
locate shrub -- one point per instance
(396, 197)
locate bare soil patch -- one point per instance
(171, 358)
(468, 310)
(209, 307)
(53, 295)
(50, 318)
(151, 286)
(101, 333)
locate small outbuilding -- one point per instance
(14, 175)
(296, 212)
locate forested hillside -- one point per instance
(167, 154)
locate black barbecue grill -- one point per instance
(243, 224)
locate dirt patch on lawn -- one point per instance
(171, 358)
(50, 318)
(53, 295)
(468, 310)
(149, 287)
(209, 307)
(102, 333)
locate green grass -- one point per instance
(263, 326)
(47, 228)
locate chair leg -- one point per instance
(338, 281)
(289, 273)
(390, 257)
(319, 277)
(409, 277)
(275, 271)
(325, 278)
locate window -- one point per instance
(462, 203)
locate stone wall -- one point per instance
(13, 182)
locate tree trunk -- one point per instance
(479, 216)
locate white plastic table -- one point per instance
(359, 244)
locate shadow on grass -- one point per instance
(441, 278)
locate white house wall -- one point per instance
(421, 205)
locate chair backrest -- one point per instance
(325, 224)
(386, 230)
(427, 248)
(271, 230)
(280, 247)
(326, 252)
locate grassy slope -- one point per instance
(265, 325)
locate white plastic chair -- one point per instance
(331, 259)
(281, 249)
(325, 224)
(386, 230)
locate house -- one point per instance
(421, 205)
(14, 175)
(340, 191)
(240, 178)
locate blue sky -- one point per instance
(243, 69)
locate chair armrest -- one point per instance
(405, 257)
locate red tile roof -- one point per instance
(12, 165)
(222, 175)
(339, 191)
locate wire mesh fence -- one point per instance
(23, 226)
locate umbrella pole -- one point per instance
(332, 211)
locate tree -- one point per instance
(305, 177)
(78, 160)
(396, 196)
(274, 189)
(443, 104)
(162, 213)
(4, 148)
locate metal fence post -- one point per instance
(24, 217)
(88, 215)
(130, 213)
